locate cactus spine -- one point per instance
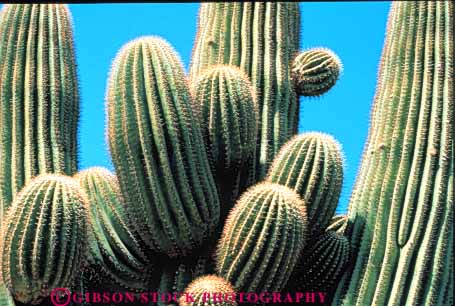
(338, 224)
(262, 238)
(157, 149)
(44, 238)
(402, 204)
(39, 101)
(114, 253)
(321, 265)
(315, 71)
(260, 38)
(206, 291)
(312, 165)
(227, 112)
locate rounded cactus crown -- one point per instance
(202, 288)
(315, 71)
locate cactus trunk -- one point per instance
(261, 38)
(402, 204)
(39, 102)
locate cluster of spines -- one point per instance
(114, 254)
(262, 238)
(39, 100)
(44, 237)
(208, 290)
(338, 224)
(261, 38)
(227, 110)
(402, 203)
(315, 71)
(312, 165)
(157, 149)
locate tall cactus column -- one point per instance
(262, 39)
(39, 102)
(402, 205)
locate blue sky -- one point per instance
(354, 30)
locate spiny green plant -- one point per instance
(315, 71)
(321, 265)
(39, 100)
(157, 149)
(262, 238)
(402, 204)
(115, 255)
(227, 110)
(312, 165)
(177, 274)
(261, 38)
(44, 238)
(206, 290)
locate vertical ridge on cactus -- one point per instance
(5, 297)
(312, 165)
(114, 254)
(39, 100)
(227, 112)
(203, 289)
(402, 204)
(44, 239)
(262, 238)
(261, 38)
(157, 149)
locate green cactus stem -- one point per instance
(312, 165)
(227, 112)
(402, 203)
(157, 149)
(176, 275)
(45, 233)
(262, 238)
(39, 100)
(5, 297)
(321, 265)
(261, 38)
(208, 290)
(114, 253)
(315, 71)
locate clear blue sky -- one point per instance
(354, 30)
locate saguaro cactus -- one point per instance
(44, 239)
(261, 38)
(39, 101)
(114, 253)
(402, 204)
(5, 297)
(262, 238)
(321, 265)
(227, 111)
(312, 165)
(157, 149)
